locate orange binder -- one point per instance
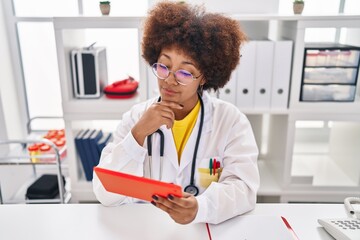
(134, 186)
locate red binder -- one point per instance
(134, 186)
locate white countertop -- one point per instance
(141, 221)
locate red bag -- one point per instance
(122, 89)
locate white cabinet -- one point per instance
(296, 163)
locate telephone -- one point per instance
(344, 228)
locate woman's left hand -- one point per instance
(183, 210)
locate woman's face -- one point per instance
(170, 90)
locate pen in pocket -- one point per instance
(214, 166)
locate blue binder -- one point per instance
(81, 151)
(93, 141)
(85, 142)
(103, 141)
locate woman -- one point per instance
(189, 51)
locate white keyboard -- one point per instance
(342, 228)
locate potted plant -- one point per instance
(105, 7)
(298, 6)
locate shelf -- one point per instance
(257, 111)
(19, 196)
(82, 191)
(316, 110)
(292, 17)
(81, 22)
(20, 156)
(99, 21)
(102, 108)
(268, 184)
(323, 171)
(331, 66)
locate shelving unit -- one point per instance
(322, 177)
(71, 33)
(288, 172)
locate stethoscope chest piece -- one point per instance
(192, 189)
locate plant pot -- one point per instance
(298, 7)
(105, 9)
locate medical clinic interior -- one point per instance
(71, 70)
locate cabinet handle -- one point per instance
(227, 91)
(262, 91)
(280, 91)
(245, 91)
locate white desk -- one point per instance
(140, 221)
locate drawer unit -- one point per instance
(330, 73)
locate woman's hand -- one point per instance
(158, 114)
(183, 210)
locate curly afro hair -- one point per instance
(212, 40)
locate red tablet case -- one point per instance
(134, 186)
(122, 89)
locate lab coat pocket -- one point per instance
(205, 178)
(207, 174)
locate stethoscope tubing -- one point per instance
(191, 188)
(149, 147)
(197, 143)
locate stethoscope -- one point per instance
(191, 188)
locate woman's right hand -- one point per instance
(158, 114)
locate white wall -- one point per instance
(8, 91)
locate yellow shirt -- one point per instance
(182, 129)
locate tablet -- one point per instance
(134, 186)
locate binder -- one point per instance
(84, 141)
(103, 141)
(81, 151)
(93, 141)
(263, 74)
(228, 92)
(245, 75)
(281, 74)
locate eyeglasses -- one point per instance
(182, 76)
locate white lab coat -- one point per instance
(227, 136)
